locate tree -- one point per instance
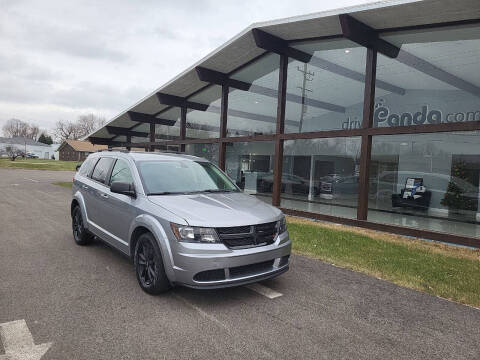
(83, 126)
(15, 128)
(456, 196)
(89, 123)
(20, 128)
(12, 152)
(45, 139)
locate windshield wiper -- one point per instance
(166, 193)
(218, 190)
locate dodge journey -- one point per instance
(180, 218)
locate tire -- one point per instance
(80, 234)
(149, 266)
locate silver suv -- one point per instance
(180, 218)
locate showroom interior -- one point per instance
(369, 117)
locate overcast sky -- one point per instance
(60, 59)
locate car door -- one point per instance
(97, 193)
(84, 184)
(120, 210)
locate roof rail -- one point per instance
(119, 150)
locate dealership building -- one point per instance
(368, 116)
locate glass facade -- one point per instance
(327, 92)
(205, 123)
(435, 79)
(428, 181)
(254, 111)
(321, 176)
(207, 151)
(393, 173)
(166, 132)
(250, 165)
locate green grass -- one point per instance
(441, 270)
(67, 184)
(38, 164)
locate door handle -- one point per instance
(105, 196)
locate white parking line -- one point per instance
(32, 180)
(263, 290)
(18, 342)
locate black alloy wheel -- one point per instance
(147, 268)
(149, 265)
(80, 234)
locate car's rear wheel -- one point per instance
(149, 265)
(80, 234)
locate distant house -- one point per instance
(77, 150)
(26, 146)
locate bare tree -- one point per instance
(20, 128)
(66, 130)
(15, 127)
(12, 152)
(84, 125)
(32, 132)
(89, 123)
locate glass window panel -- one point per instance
(169, 132)
(207, 151)
(254, 112)
(250, 165)
(426, 181)
(102, 168)
(205, 124)
(121, 172)
(436, 75)
(321, 176)
(327, 92)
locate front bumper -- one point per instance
(216, 266)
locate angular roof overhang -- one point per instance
(242, 49)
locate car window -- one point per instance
(182, 176)
(87, 166)
(121, 172)
(102, 168)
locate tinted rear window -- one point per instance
(102, 168)
(87, 166)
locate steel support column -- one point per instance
(366, 148)
(281, 103)
(152, 135)
(222, 149)
(183, 125)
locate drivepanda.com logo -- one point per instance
(383, 117)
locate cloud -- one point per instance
(63, 58)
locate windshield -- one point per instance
(183, 177)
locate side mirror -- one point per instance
(78, 167)
(124, 188)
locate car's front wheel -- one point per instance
(149, 265)
(80, 234)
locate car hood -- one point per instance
(218, 210)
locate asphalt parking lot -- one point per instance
(86, 303)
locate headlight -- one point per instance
(194, 234)
(281, 225)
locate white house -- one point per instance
(27, 146)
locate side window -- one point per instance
(87, 166)
(121, 172)
(102, 168)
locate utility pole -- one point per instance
(307, 76)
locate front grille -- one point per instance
(210, 275)
(252, 269)
(242, 237)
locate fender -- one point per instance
(154, 226)
(79, 197)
